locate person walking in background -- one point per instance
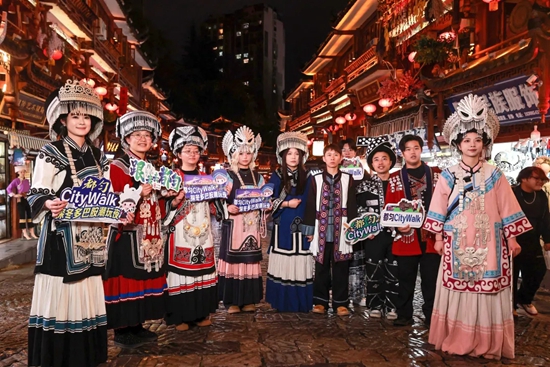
(289, 285)
(380, 281)
(68, 321)
(476, 219)
(414, 248)
(135, 282)
(530, 262)
(18, 189)
(330, 206)
(240, 273)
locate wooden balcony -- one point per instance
(77, 10)
(318, 103)
(366, 61)
(300, 122)
(108, 52)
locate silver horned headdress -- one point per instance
(472, 113)
(243, 139)
(137, 121)
(74, 96)
(291, 140)
(187, 135)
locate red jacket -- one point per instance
(410, 245)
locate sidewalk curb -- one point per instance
(17, 252)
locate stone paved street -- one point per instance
(268, 338)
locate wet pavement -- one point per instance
(269, 338)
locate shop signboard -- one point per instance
(31, 109)
(513, 100)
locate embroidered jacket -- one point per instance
(400, 188)
(337, 198)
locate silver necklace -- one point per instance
(527, 202)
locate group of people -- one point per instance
(160, 261)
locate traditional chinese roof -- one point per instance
(517, 54)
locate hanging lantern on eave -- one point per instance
(350, 116)
(340, 120)
(493, 4)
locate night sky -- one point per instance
(307, 23)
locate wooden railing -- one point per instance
(366, 56)
(499, 46)
(78, 11)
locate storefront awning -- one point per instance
(27, 142)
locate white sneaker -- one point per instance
(530, 309)
(391, 315)
(376, 314)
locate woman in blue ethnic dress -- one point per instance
(289, 286)
(68, 322)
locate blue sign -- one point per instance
(512, 100)
(206, 187)
(253, 199)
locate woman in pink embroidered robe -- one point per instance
(473, 302)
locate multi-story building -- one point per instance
(44, 43)
(404, 70)
(250, 46)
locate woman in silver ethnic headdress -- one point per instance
(240, 273)
(289, 285)
(136, 258)
(68, 322)
(192, 279)
(475, 218)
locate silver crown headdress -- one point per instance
(292, 140)
(187, 135)
(76, 96)
(137, 121)
(244, 137)
(472, 113)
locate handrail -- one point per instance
(499, 45)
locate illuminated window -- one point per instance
(245, 61)
(238, 56)
(220, 30)
(215, 48)
(245, 54)
(246, 25)
(220, 37)
(247, 83)
(239, 33)
(220, 53)
(221, 70)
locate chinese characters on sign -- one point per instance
(405, 213)
(206, 187)
(146, 173)
(512, 100)
(352, 166)
(92, 201)
(253, 199)
(361, 228)
(31, 109)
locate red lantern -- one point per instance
(111, 107)
(350, 116)
(101, 91)
(309, 142)
(385, 102)
(412, 55)
(57, 55)
(90, 82)
(340, 120)
(493, 4)
(370, 108)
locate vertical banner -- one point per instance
(123, 103)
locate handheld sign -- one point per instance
(353, 166)
(405, 213)
(253, 199)
(206, 187)
(146, 173)
(92, 201)
(361, 228)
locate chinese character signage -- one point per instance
(361, 228)
(206, 187)
(92, 201)
(405, 213)
(352, 166)
(512, 100)
(253, 199)
(146, 173)
(31, 109)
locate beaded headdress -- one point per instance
(74, 96)
(187, 135)
(291, 140)
(243, 138)
(137, 121)
(377, 144)
(472, 113)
